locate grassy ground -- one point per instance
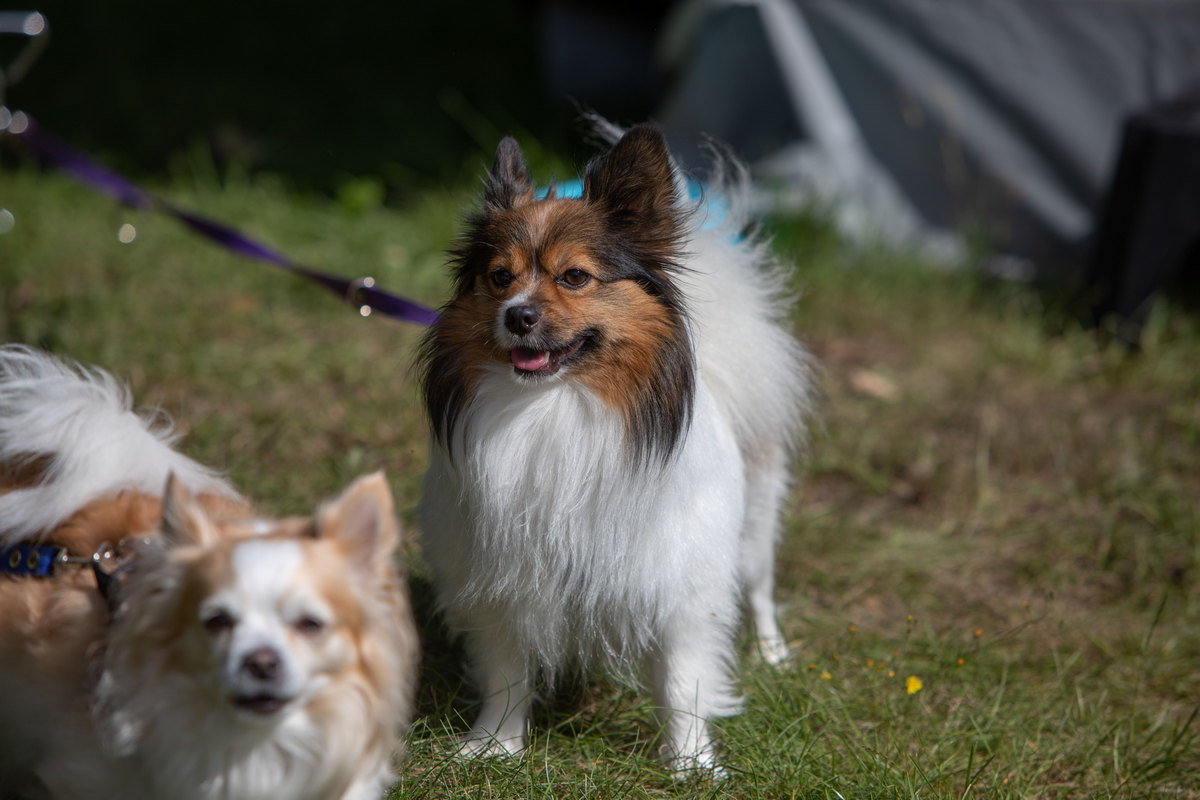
(990, 571)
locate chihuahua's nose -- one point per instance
(521, 319)
(261, 664)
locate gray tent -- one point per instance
(922, 119)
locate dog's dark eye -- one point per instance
(501, 278)
(575, 278)
(218, 622)
(309, 625)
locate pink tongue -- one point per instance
(530, 360)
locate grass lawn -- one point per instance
(991, 569)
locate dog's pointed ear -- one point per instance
(363, 520)
(635, 181)
(508, 184)
(184, 521)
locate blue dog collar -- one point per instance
(49, 560)
(32, 561)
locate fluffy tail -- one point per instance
(68, 435)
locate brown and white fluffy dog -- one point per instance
(614, 398)
(243, 658)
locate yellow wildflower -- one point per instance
(914, 684)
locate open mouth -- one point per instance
(528, 361)
(262, 705)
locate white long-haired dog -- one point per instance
(615, 399)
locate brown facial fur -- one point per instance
(207, 570)
(538, 244)
(348, 550)
(623, 234)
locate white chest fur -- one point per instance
(542, 519)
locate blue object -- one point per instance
(715, 206)
(30, 561)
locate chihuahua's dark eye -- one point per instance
(575, 278)
(218, 622)
(501, 278)
(309, 625)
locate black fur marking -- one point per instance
(444, 381)
(634, 186)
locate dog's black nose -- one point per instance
(261, 664)
(521, 319)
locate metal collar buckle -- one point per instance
(49, 561)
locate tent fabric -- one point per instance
(922, 120)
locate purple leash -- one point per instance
(360, 292)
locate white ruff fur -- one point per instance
(551, 548)
(199, 751)
(586, 556)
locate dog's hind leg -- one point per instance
(766, 488)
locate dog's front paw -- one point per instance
(703, 766)
(692, 758)
(483, 744)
